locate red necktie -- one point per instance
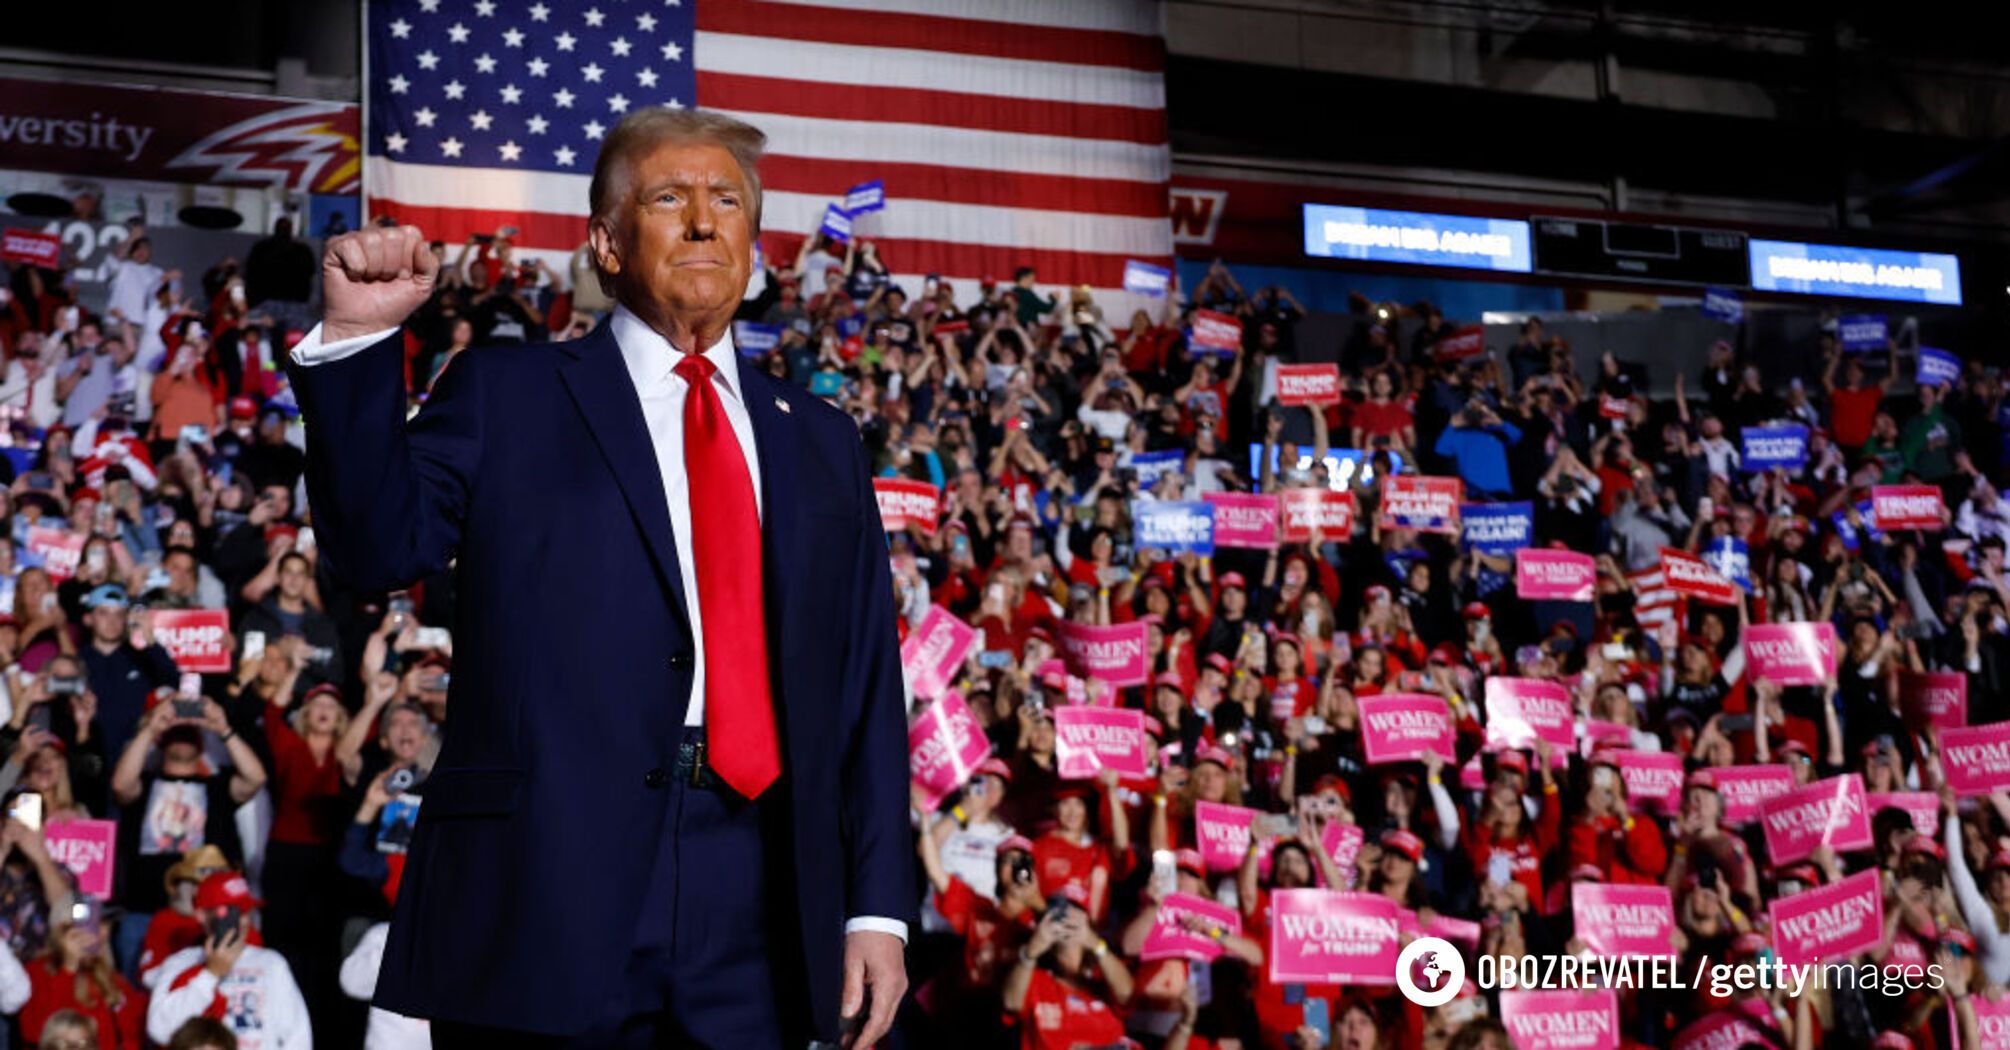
(726, 545)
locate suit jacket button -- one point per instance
(655, 778)
(680, 662)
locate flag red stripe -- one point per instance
(745, 94)
(1007, 189)
(547, 230)
(968, 36)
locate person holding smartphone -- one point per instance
(993, 926)
(77, 973)
(1067, 984)
(252, 987)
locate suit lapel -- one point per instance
(776, 439)
(599, 384)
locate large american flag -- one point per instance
(1007, 132)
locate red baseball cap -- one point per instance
(1012, 842)
(1217, 755)
(1478, 611)
(242, 407)
(1376, 593)
(1514, 760)
(1923, 843)
(1998, 859)
(223, 889)
(1189, 860)
(1220, 663)
(1169, 680)
(1074, 894)
(994, 767)
(1333, 782)
(1588, 871)
(1405, 843)
(1701, 778)
(1232, 579)
(1891, 1040)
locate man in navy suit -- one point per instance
(671, 805)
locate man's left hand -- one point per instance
(874, 963)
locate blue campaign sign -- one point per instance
(837, 223)
(1858, 332)
(1498, 529)
(850, 326)
(1769, 447)
(1848, 533)
(1376, 235)
(826, 384)
(754, 339)
(1856, 273)
(1151, 466)
(865, 197)
(1732, 560)
(1937, 366)
(1181, 526)
(1724, 304)
(1146, 279)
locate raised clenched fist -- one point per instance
(373, 279)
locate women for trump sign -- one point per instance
(1088, 740)
(1550, 575)
(944, 746)
(1521, 711)
(1114, 654)
(1976, 759)
(1561, 1019)
(1624, 920)
(1243, 519)
(1830, 922)
(1830, 813)
(1792, 653)
(935, 651)
(1333, 937)
(1403, 727)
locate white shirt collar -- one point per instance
(651, 360)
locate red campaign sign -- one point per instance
(59, 549)
(1427, 504)
(1830, 922)
(1308, 384)
(955, 326)
(31, 247)
(1745, 789)
(198, 639)
(1550, 575)
(1214, 331)
(1976, 759)
(1610, 407)
(1686, 574)
(1332, 511)
(174, 135)
(1894, 507)
(1464, 344)
(1934, 698)
(903, 503)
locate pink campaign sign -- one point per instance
(1922, 806)
(1561, 1020)
(1992, 1021)
(86, 848)
(1462, 932)
(1403, 727)
(1976, 758)
(1547, 575)
(944, 746)
(1342, 842)
(1934, 698)
(1828, 812)
(935, 651)
(1792, 653)
(1243, 519)
(1653, 780)
(1728, 1029)
(1114, 654)
(1830, 922)
(1170, 939)
(1623, 920)
(1224, 834)
(1089, 740)
(1745, 788)
(1523, 710)
(1333, 937)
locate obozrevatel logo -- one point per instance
(1440, 966)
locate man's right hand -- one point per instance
(373, 279)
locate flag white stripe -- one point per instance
(427, 185)
(890, 143)
(897, 67)
(1141, 17)
(1028, 228)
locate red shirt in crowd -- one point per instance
(1525, 851)
(1851, 413)
(120, 1027)
(991, 939)
(305, 793)
(1058, 863)
(1633, 856)
(1057, 1015)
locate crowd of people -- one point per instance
(261, 812)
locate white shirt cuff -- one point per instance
(877, 925)
(310, 350)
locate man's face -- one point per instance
(293, 578)
(108, 622)
(682, 239)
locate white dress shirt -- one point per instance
(651, 362)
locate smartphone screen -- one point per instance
(27, 808)
(1318, 1019)
(1165, 873)
(254, 644)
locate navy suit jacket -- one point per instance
(533, 467)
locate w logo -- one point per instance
(1196, 214)
(311, 148)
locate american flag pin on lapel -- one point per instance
(783, 405)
